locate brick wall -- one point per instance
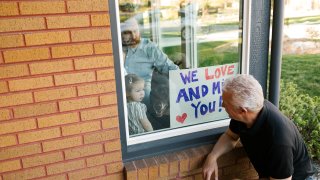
(58, 106)
(186, 165)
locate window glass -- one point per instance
(301, 46)
(175, 56)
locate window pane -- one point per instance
(176, 55)
(301, 46)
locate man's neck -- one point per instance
(251, 118)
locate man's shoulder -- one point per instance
(146, 43)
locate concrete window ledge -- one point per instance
(187, 164)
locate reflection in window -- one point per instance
(301, 45)
(193, 41)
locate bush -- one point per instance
(305, 112)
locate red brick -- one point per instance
(87, 5)
(18, 151)
(104, 158)
(58, 119)
(34, 110)
(108, 99)
(74, 78)
(80, 128)
(16, 126)
(99, 113)
(87, 173)
(183, 160)
(15, 99)
(83, 151)
(54, 94)
(112, 145)
(39, 135)
(62, 143)
(110, 123)
(96, 88)
(131, 171)
(114, 167)
(30, 83)
(7, 140)
(38, 7)
(7, 41)
(94, 62)
(42, 159)
(26, 174)
(103, 48)
(50, 67)
(72, 50)
(6, 166)
(164, 166)
(101, 136)
(14, 71)
(22, 24)
(8, 9)
(65, 166)
(5, 114)
(76, 104)
(68, 21)
(3, 86)
(29, 54)
(92, 34)
(107, 74)
(100, 19)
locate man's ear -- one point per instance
(243, 110)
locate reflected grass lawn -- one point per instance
(303, 70)
(207, 53)
(309, 19)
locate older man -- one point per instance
(272, 142)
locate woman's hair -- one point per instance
(131, 79)
(246, 92)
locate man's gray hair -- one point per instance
(246, 92)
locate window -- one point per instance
(173, 56)
(300, 64)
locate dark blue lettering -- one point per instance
(196, 109)
(216, 87)
(182, 94)
(203, 109)
(194, 74)
(204, 90)
(195, 94)
(212, 106)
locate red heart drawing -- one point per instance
(181, 118)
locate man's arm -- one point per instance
(161, 60)
(226, 143)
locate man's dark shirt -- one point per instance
(274, 145)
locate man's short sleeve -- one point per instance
(280, 162)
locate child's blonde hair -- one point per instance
(131, 79)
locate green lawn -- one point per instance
(296, 20)
(303, 70)
(207, 53)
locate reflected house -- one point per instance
(153, 22)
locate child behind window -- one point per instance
(138, 121)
